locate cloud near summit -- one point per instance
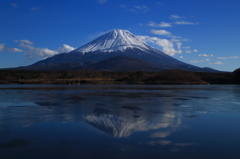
(167, 45)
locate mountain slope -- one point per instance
(122, 63)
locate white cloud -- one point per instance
(181, 57)
(186, 47)
(142, 8)
(167, 45)
(179, 45)
(102, 1)
(65, 48)
(32, 52)
(217, 63)
(171, 51)
(2, 47)
(195, 50)
(24, 41)
(175, 16)
(147, 39)
(15, 50)
(196, 61)
(167, 33)
(43, 52)
(179, 21)
(162, 24)
(151, 23)
(8, 49)
(28, 46)
(164, 43)
(184, 23)
(205, 55)
(188, 51)
(160, 32)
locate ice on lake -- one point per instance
(119, 121)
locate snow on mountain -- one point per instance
(116, 40)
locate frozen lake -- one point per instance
(120, 121)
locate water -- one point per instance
(120, 121)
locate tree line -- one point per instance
(174, 76)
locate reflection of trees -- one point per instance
(237, 75)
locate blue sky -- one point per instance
(204, 33)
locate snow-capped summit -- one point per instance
(115, 40)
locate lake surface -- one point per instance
(120, 121)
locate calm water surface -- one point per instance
(120, 121)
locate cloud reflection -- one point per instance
(168, 142)
(161, 134)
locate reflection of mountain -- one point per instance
(115, 126)
(111, 115)
(122, 127)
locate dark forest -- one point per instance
(132, 77)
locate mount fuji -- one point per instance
(114, 45)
